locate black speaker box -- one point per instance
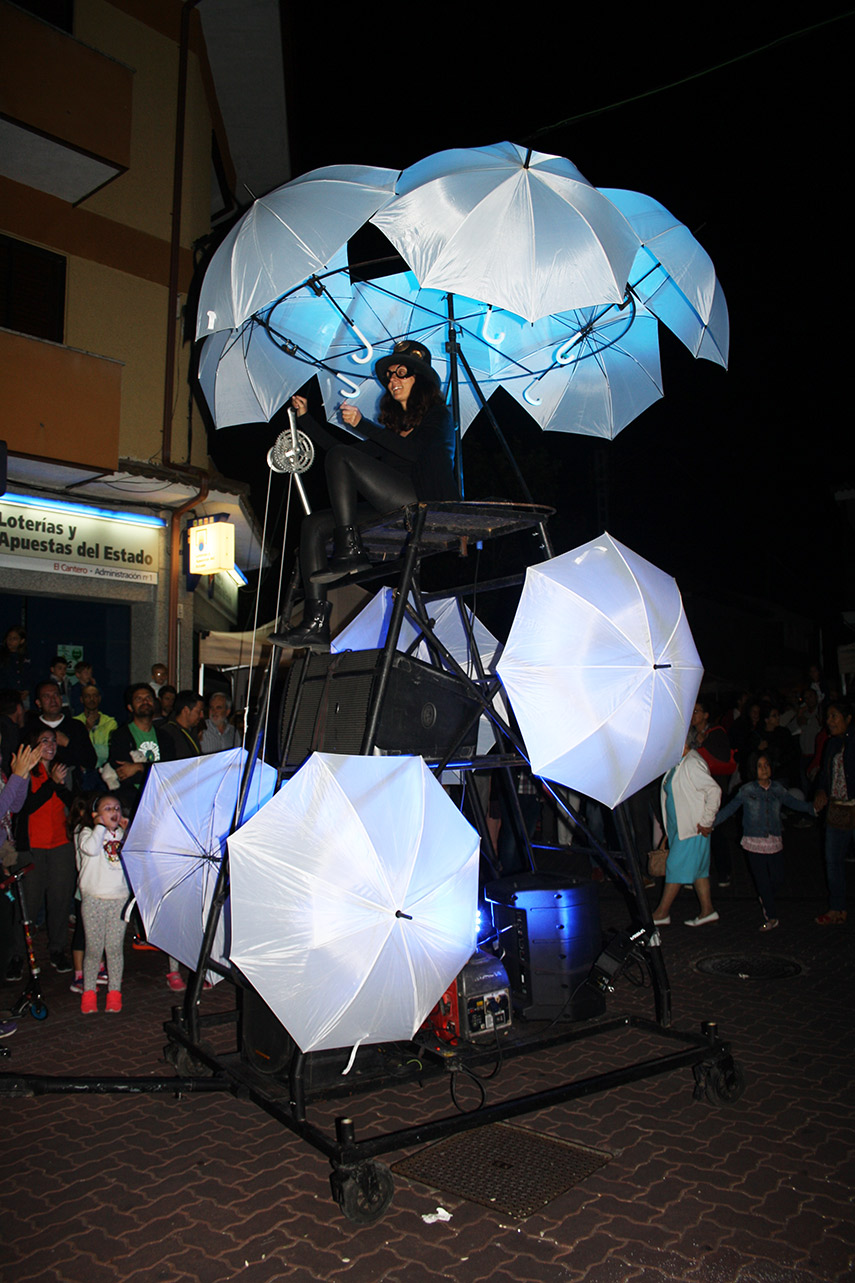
(424, 709)
(549, 931)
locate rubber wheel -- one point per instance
(366, 1195)
(38, 1011)
(725, 1083)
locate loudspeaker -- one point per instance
(549, 932)
(424, 709)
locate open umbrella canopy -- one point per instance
(285, 237)
(249, 373)
(354, 896)
(517, 228)
(674, 277)
(601, 670)
(553, 286)
(598, 370)
(175, 846)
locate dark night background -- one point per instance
(728, 481)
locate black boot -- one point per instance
(348, 556)
(313, 633)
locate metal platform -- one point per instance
(450, 525)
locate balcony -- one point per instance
(59, 403)
(65, 110)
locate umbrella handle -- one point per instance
(562, 355)
(490, 338)
(369, 350)
(532, 400)
(351, 388)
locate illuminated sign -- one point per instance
(212, 547)
(67, 539)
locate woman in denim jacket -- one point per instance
(762, 799)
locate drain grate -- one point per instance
(761, 966)
(508, 1168)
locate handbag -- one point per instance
(841, 815)
(656, 861)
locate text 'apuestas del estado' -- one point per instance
(59, 541)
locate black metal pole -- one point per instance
(419, 511)
(452, 349)
(658, 974)
(494, 424)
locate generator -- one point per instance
(475, 1005)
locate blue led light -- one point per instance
(84, 509)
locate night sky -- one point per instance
(726, 482)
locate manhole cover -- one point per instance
(511, 1169)
(762, 966)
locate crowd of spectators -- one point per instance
(766, 751)
(70, 768)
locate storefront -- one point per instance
(92, 582)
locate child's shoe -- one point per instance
(103, 978)
(114, 1000)
(76, 985)
(89, 1002)
(175, 981)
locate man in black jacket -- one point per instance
(74, 747)
(183, 726)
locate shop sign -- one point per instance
(212, 546)
(64, 539)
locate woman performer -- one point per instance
(409, 458)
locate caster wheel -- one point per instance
(363, 1193)
(38, 1011)
(186, 1064)
(725, 1083)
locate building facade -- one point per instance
(110, 139)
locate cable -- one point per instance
(684, 80)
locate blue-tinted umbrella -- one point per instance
(674, 277)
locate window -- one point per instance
(32, 290)
(59, 13)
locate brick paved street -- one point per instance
(207, 1188)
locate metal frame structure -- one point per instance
(361, 1184)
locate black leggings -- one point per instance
(349, 471)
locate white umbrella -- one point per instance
(598, 371)
(601, 670)
(285, 237)
(175, 846)
(354, 895)
(674, 276)
(249, 373)
(519, 229)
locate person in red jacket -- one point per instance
(42, 838)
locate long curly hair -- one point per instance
(393, 416)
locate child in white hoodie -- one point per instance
(103, 893)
